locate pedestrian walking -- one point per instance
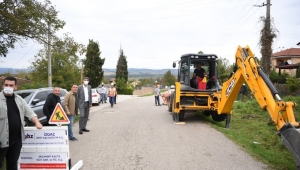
(156, 95)
(103, 93)
(71, 109)
(84, 103)
(50, 104)
(111, 94)
(13, 109)
(116, 94)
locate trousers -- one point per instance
(11, 153)
(157, 100)
(84, 115)
(70, 131)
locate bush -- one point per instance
(293, 84)
(35, 85)
(127, 91)
(274, 76)
(298, 71)
(282, 78)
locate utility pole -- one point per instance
(268, 5)
(49, 57)
(268, 21)
(266, 39)
(81, 72)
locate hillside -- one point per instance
(133, 72)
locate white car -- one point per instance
(96, 98)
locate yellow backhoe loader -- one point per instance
(200, 90)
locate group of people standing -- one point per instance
(111, 93)
(164, 96)
(79, 98)
(13, 109)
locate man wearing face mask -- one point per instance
(85, 102)
(50, 104)
(13, 109)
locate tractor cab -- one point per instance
(198, 72)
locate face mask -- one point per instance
(85, 82)
(8, 90)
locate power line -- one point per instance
(23, 56)
(146, 9)
(233, 26)
(213, 26)
(153, 19)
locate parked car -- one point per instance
(96, 97)
(36, 99)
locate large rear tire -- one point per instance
(216, 117)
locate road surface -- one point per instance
(137, 135)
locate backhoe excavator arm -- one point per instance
(247, 69)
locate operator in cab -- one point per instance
(199, 72)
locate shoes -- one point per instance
(159, 105)
(73, 139)
(111, 106)
(80, 132)
(85, 130)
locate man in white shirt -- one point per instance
(85, 102)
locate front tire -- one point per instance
(216, 117)
(180, 115)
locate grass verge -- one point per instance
(251, 129)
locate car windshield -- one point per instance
(26, 95)
(94, 91)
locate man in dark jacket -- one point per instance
(50, 103)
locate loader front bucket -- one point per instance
(291, 139)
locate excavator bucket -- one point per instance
(291, 139)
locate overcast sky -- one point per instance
(155, 33)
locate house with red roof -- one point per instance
(286, 61)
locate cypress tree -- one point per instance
(93, 64)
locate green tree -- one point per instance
(200, 52)
(65, 57)
(224, 68)
(26, 19)
(146, 81)
(168, 79)
(122, 71)
(93, 64)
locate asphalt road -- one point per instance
(137, 135)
